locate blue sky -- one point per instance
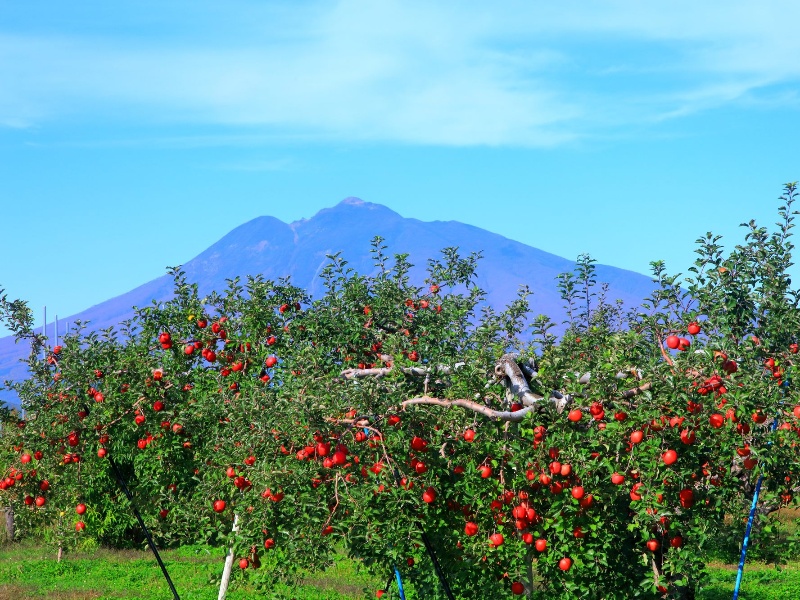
(134, 135)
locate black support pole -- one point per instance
(150, 541)
(436, 566)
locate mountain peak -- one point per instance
(353, 201)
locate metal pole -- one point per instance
(740, 570)
(150, 541)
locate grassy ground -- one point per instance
(30, 571)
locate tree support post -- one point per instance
(151, 543)
(750, 518)
(226, 572)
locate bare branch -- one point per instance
(501, 415)
(507, 367)
(637, 390)
(416, 371)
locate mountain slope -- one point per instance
(275, 249)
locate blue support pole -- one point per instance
(737, 586)
(399, 584)
(396, 570)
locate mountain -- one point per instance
(275, 249)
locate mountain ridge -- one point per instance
(266, 245)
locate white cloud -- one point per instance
(452, 73)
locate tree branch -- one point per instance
(501, 415)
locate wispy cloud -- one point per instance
(266, 165)
(448, 73)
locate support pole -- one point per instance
(750, 518)
(226, 572)
(124, 486)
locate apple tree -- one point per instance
(418, 428)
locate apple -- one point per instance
(269, 543)
(80, 509)
(716, 420)
(637, 436)
(271, 361)
(565, 564)
(688, 436)
(40, 501)
(25, 458)
(676, 542)
(617, 479)
(693, 328)
(80, 526)
(496, 539)
(686, 497)
(673, 342)
(575, 415)
(669, 457)
(470, 528)
(219, 506)
(635, 495)
(541, 545)
(429, 495)
(418, 444)
(244, 563)
(683, 344)
(469, 435)
(163, 513)
(485, 471)
(653, 545)
(517, 588)
(577, 492)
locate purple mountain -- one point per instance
(275, 249)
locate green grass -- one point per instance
(29, 570)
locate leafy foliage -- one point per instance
(380, 416)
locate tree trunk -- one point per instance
(226, 572)
(9, 521)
